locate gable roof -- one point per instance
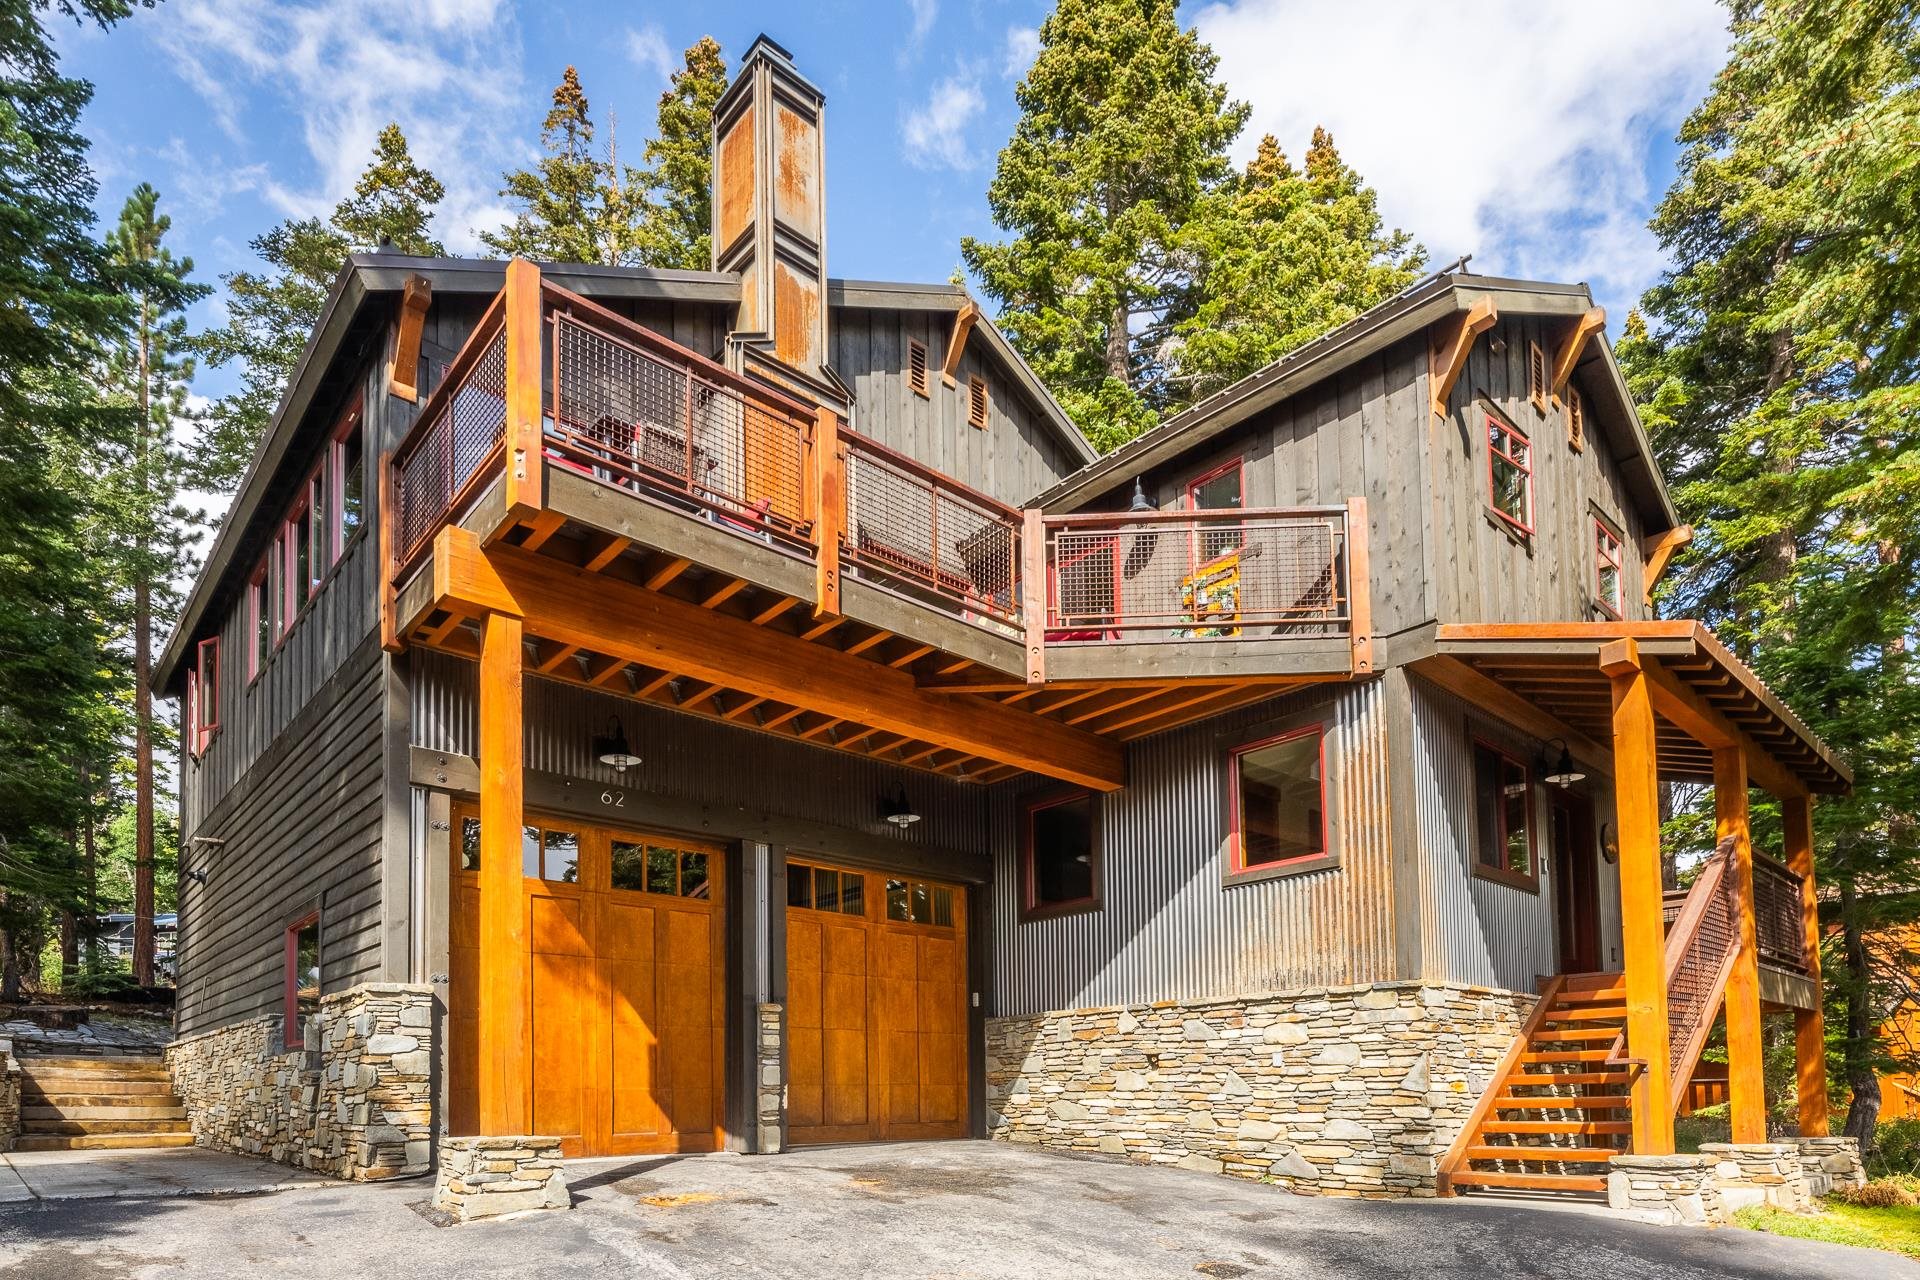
(1409, 312)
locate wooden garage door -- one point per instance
(876, 1006)
(624, 1012)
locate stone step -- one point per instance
(142, 1068)
(86, 1088)
(99, 1141)
(171, 1110)
(146, 1124)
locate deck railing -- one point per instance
(918, 529)
(1702, 938)
(1191, 575)
(1778, 927)
(455, 446)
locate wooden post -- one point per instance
(504, 980)
(827, 493)
(1359, 588)
(1809, 1025)
(389, 626)
(1033, 591)
(525, 490)
(1642, 921)
(1746, 1074)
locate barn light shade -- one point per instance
(1141, 502)
(1564, 772)
(899, 810)
(612, 748)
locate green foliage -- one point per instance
(1893, 1229)
(677, 215)
(574, 206)
(1122, 137)
(1896, 1149)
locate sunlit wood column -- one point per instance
(525, 487)
(1809, 1025)
(1746, 1074)
(1642, 922)
(504, 1052)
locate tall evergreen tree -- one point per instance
(574, 205)
(1122, 135)
(678, 213)
(271, 312)
(1779, 371)
(1279, 257)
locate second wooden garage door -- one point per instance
(876, 1006)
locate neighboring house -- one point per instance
(116, 938)
(1900, 1030)
(738, 709)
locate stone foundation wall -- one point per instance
(1827, 1163)
(1754, 1173)
(355, 1103)
(489, 1177)
(1676, 1190)
(9, 1096)
(769, 1088)
(1350, 1091)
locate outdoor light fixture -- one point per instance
(1140, 500)
(1564, 772)
(613, 749)
(899, 810)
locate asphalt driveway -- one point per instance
(935, 1210)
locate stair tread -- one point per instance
(1567, 1055)
(1535, 1079)
(1557, 1126)
(1563, 1155)
(99, 1141)
(1529, 1181)
(172, 1110)
(1545, 1036)
(1508, 1102)
(1597, 995)
(105, 1126)
(1598, 1013)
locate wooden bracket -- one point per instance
(1659, 549)
(405, 369)
(1573, 344)
(957, 343)
(1449, 342)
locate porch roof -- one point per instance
(1707, 697)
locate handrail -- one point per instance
(1701, 948)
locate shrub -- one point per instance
(1881, 1193)
(1896, 1149)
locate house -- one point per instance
(663, 711)
(116, 938)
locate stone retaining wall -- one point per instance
(1350, 1091)
(1676, 1190)
(356, 1103)
(1754, 1173)
(489, 1177)
(1827, 1163)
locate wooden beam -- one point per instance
(774, 610)
(1479, 690)
(963, 321)
(821, 627)
(1746, 1069)
(911, 656)
(826, 724)
(861, 646)
(603, 551)
(1809, 1025)
(439, 631)
(741, 707)
(723, 593)
(1448, 343)
(827, 505)
(665, 572)
(525, 490)
(1636, 781)
(779, 718)
(648, 627)
(541, 528)
(504, 1057)
(604, 671)
(403, 374)
(1568, 353)
(1706, 724)
(552, 657)
(1659, 550)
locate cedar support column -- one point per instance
(1809, 1025)
(1746, 1073)
(525, 488)
(504, 980)
(1642, 921)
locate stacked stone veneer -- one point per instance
(1725, 1177)
(769, 1086)
(1827, 1163)
(489, 1177)
(1351, 1091)
(355, 1103)
(1674, 1189)
(9, 1096)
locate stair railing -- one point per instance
(1702, 942)
(1456, 1157)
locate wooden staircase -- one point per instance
(86, 1103)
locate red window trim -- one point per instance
(1601, 533)
(1236, 846)
(337, 461)
(1526, 469)
(1031, 908)
(327, 543)
(203, 693)
(1529, 879)
(290, 984)
(259, 592)
(1235, 464)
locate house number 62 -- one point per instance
(614, 799)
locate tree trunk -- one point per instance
(90, 862)
(143, 700)
(1863, 1112)
(1117, 337)
(9, 966)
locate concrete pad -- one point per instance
(138, 1174)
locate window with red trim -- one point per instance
(319, 531)
(277, 584)
(1503, 804)
(1059, 853)
(203, 694)
(350, 468)
(1609, 580)
(259, 621)
(301, 961)
(1509, 473)
(1278, 801)
(1221, 489)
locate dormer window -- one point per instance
(917, 368)
(1509, 473)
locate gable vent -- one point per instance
(1537, 376)
(917, 367)
(977, 402)
(1576, 419)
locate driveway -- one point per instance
(958, 1209)
(140, 1174)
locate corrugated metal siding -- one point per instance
(1169, 929)
(694, 758)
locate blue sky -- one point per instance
(1536, 136)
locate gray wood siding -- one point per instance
(301, 829)
(1169, 928)
(1014, 457)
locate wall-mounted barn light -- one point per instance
(612, 748)
(899, 810)
(1563, 773)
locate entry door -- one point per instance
(625, 1003)
(876, 1006)
(1575, 887)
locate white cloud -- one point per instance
(935, 133)
(924, 12)
(1022, 47)
(647, 47)
(1509, 129)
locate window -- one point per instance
(259, 621)
(1221, 489)
(916, 367)
(299, 540)
(651, 867)
(917, 902)
(1509, 473)
(350, 464)
(470, 844)
(319, 558)
(302, 968)
(826, 889)
(1576, 419)
(1503, 803)
(977, 402)
(1059, 854)
(203, 694)
(548, 853)
(1609, 584)
(1278, 801)
(1537, 376)
(276, 584)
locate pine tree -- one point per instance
(574, 206)
(1779, 371)
(677, 214)
(270, 313)
(1279, 257)
(1122, 135)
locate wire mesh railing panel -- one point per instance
(633, 419)
(445, 455)
(911, 528)
(1230, 574)
(1778, 926)
(1690, 985)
